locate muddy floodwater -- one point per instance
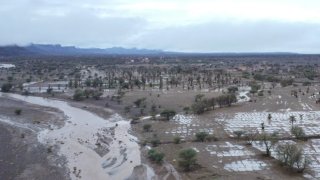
(84, 133)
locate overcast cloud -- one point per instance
(177, 25)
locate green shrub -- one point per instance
(155, 156)
(155, 142)
(17, 111)
(201, 136)
(6, 87)
(78, 95)
(298, 132)
(238, 133)
(167, 114)
(147, 127)
(187, 159)
(177, 140)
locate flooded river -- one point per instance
(77, 140)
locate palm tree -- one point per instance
(269, 118)
(301, 116)
(292, 119)
(262, 126)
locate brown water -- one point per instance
(77, 141)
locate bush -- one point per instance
(155, 142)
(198, 97)
(238, 133)
(177, 140)
(232, 89)
(187, 159)
(6, 87)
(17, 111)
(254, 87)
(286, 82)
(199, 107)
(201, 136)
(186, 109)
(226, 100)
(96, 95)
(298, 132)
(127, 109)
(155, 156)
(139, 102)
(147, 127)
(307, 83)
(167, 114)
(210, 138)
(260, 93)
(250, 137)
(49, 90)
(78, 95)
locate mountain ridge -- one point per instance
(59, 50)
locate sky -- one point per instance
(172, 25)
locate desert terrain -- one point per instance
(132, 117)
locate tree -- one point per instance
(292, 119)
(187, 159)
(291, 155)
(269, 140)
(6, 87)
(254, 87)
(78, 95)
(161, 83)
(88, 82)
(251, 136)
(201, 136)
(167, 114)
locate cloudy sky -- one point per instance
(177, 25)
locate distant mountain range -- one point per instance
(40, 49)
(58, 50)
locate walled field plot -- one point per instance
(280, 121)
(186, 126)
(234, 157)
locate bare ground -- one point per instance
(21, 155)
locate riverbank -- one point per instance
(93, 146)
(21, 155)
